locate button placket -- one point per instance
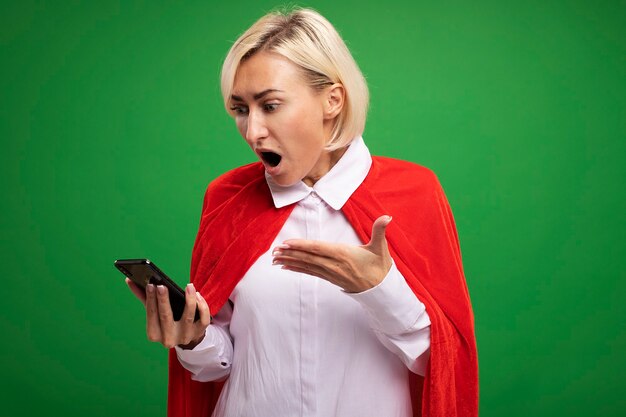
(308, 316)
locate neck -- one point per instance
(326, 163)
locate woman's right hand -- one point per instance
(160, 325)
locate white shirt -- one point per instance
(297, 345)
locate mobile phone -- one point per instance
(143, 272)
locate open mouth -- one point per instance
(271, 158)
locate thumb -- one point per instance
(378, 242)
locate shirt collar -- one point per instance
(336, 186)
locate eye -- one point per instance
(270, 107)
(239, 110)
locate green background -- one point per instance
(112, 125)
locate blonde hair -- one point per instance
(311, 42)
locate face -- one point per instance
(284, 121)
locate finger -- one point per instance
(153, 326)
(166, 317)
(378, 242)
(334, 269)
(311, 246)
(302, 271)
(338, 280)
(304, 256)
(307, 271)
(189, 314)
(203, 310)
(137, 291)
(307, 268)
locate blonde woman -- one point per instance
(323, 305)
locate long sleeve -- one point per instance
(399, 319)
(211, 359)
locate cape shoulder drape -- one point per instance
(239, 222)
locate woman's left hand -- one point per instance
(353, 268)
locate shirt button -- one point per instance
(316, 198)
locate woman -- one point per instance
(323, 305)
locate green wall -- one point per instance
(112, 125)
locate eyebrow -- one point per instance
(258, 95)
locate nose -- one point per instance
(255, 128)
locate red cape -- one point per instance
(239, 223)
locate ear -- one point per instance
(334, 100)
